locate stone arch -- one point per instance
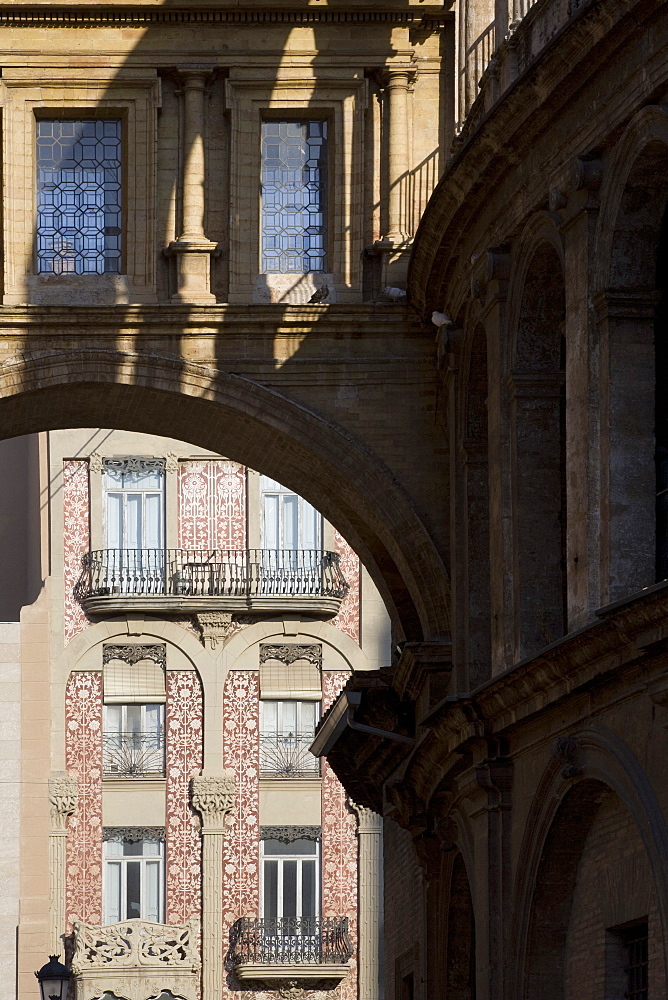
(634, 355)
(258, 427)
(460, 967)
(352, 655)
(473, 456)
(585, 767)
(537, 402)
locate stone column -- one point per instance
(192, 249)
(396, 88)
(212, 795)
(370, 874)
(63, 795)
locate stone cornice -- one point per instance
(223, 12)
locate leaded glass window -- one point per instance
(294, 196)
(78, 196)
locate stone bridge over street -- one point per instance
(336, 401)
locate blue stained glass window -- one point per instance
(294, 196)
(79, 196)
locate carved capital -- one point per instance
(171, 462)
(95, 463)
(215, 626)
(212, 795)
(368, 821)
(63, 797)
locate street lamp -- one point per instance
(54, 980)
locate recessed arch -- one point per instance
(537, 361)
(258, 427)
(602, 763)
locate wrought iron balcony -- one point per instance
(244, 580)
(127, 755)
(302, 948)
(287, 756)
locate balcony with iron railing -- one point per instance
(304, 949)
(287, 756)
(260, 581)
(133, 755)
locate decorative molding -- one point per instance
(134, 464)
(137, 17)
(289, 989)
(288, 834)
(567, 751)
(290, 652)
(134, 653)
(133, 833)
(215, 626)
(95, 462)
(135, 959)
(171, 463)
(212, 795)
(63, 797)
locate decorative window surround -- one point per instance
(134, 464)
(131, 94)
(290, 652)
(133, 833)
(288, 834)
(134, 653)
(342, 101)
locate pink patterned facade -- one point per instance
(241, 748)
(348, 618)
(183, 755)
(212, 505)
(76, 540)
(83, 755)
(339, 845)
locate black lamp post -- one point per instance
(54, 980)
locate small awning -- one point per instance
(133, 683)
(298, 681)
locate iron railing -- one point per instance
(290, 941)
(287, 756)
(133, 754)
(211, 573)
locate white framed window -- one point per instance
(134, 503)
(133, 741)
(133, 879)
(290, 879)
(288, 521)
(287, 729)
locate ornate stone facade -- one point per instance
(183, 761)
(83, 750)
(76, 540)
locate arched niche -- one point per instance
(631, 314)
(538, 446)
(474, 456)
(460, 949)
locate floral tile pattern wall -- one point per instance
(83, 758)
(339, 845)
(76, 540)
(348, 618)
(241, 754)
(212, 505)
(183, 756)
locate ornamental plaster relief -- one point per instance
(348, 618)
(76, 541)
(339, 846)
(212, 505)
(183, 749)
(241, 741)
(83, 756)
